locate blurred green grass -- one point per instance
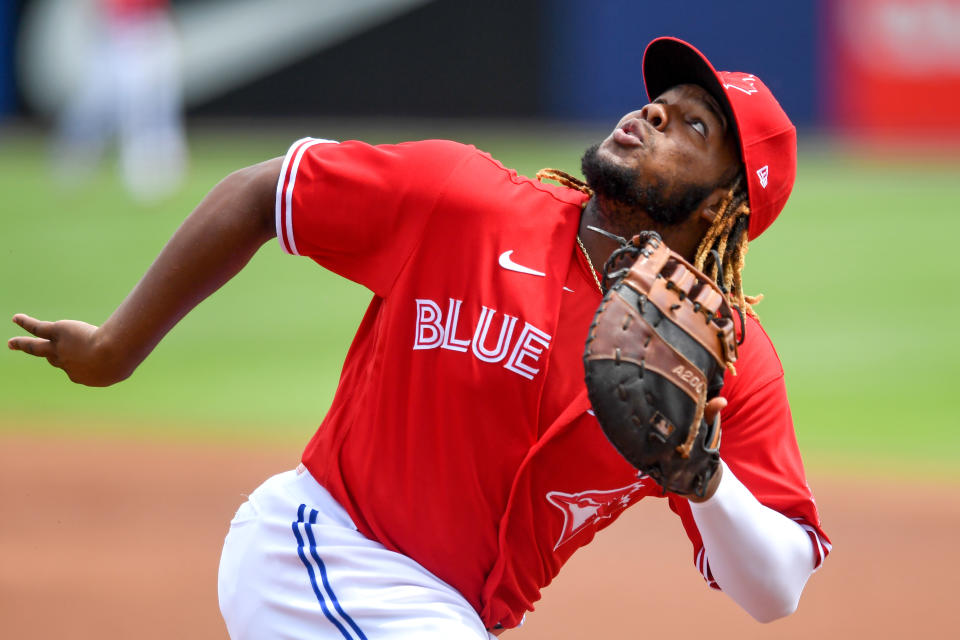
(858, 274)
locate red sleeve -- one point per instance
(759, 445)
(359, 210)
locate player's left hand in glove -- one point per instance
(655, 357)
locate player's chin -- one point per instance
(613, 154)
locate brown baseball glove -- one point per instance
(655, 357)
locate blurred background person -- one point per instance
(130, 91)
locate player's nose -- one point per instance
(656, 115)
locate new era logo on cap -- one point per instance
(762, 173)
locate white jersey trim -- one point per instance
(284, 201)
(703, 566)
(821, 547)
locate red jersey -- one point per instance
(461, 434)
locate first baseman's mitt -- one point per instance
(655, 355)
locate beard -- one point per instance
(627, 192)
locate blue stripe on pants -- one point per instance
(313, 578)
(323, 576)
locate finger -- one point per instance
(714, 407)
(39, 328)
(34, 346)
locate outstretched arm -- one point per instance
(211, 246)
(760, 558)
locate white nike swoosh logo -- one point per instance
(509, 264)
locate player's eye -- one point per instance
(699, 126)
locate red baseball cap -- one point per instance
(768, 140)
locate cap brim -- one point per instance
(668, 62)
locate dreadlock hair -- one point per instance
(565, 179)
(727, 236)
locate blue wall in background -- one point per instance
(593, 50)
(7, 89)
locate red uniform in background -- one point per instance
(133, 8)
(461, 434)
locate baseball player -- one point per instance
(130, 89)
(461, 464)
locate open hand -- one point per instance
(70, 345)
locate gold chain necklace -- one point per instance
(593, 271)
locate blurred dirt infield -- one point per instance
(114, 539)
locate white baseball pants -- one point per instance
(294, 566)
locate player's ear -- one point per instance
(710, 206)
